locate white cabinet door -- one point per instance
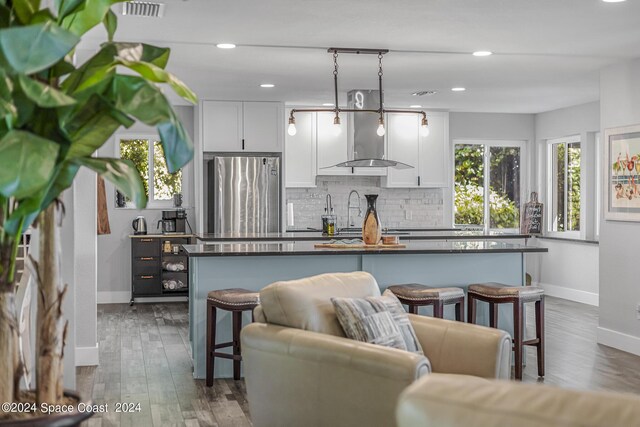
(434, 152)
(332, 146)
(300, 152)
(403, 145)
(263, 127)
(222, 126)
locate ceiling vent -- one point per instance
(424, 93)
(143, 8)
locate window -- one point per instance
(564, 184)
(147, 154)
(487, 184)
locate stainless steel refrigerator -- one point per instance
(243, 194)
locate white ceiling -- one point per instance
(548, 53)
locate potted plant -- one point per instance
(54, 115)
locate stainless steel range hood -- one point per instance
(367, 146)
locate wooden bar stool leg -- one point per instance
(413, 309)
(438, 309)
(540, 334)
(211, 342)
(517, 338)
(460, 310)
(493, 315)
(471, 309)
(237, 326)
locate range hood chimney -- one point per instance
(366, 146)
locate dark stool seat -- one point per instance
(415, 295)
(236, 301)
(497, 293)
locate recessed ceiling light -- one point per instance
(613, 1)
(267, 85)
(415, 106)
(458, 89)
(226, 46)
(482, 53)
(327, 104)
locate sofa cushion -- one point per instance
(306, 303)
(394, 306)
(368, 320)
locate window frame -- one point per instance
(151, 203)
(566, 140)
(488, 144)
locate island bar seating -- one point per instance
(236, 301)
(415, 295)
(496, 293)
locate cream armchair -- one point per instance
(441, 400)
(300, 370)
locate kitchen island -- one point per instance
(253, 265)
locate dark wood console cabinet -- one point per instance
(150, 276)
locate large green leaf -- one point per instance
(25, 9)
(66, 7)
(143, 100)
(43, 95)
(82, 19)
(26, 163)
(139, 52)
(110, 24)
(158, 75)
(8, 110)
(92, 125)
(33, 48)
(122, 173)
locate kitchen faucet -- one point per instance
(328, 209)
(349, 208)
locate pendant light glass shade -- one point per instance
(291, 130)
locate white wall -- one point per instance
(619, 242)
(570, 269)
(114, 250)
(490, 126)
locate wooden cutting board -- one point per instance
(357, 246)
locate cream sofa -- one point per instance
(441, 400)
(300, 370)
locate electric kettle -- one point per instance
(139, 225)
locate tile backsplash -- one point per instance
(397, 207)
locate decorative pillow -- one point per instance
(368, 320)
(394, 306)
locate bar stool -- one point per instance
(236, 301)
(497, 293)
(415, 295)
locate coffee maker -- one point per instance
(173, 221)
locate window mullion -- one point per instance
(487, 219)
(150, 179)
(566, 186)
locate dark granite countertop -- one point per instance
(403, 235)
(307, 248)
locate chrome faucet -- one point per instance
(328, 209)
(350, 207)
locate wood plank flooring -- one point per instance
(145, 357)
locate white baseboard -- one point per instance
(87, 356)
(123, 297)
(571, 294)
(619, 340)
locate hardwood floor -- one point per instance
(145, 357)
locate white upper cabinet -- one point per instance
(300, 152)
(403, 145)
(222, 126)
(333, 146)
(435, 153)
(428, 155)
(242, 126)
(263, 126)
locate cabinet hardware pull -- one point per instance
(146, 277)
(418, 181)
(146, 240)
(243, 143)
(147, 258)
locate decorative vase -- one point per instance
(371, 228)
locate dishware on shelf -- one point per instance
(390, 240)
(371, 227)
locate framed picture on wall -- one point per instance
(622, 173)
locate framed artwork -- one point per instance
(622, 173)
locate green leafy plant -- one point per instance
(54, 115)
